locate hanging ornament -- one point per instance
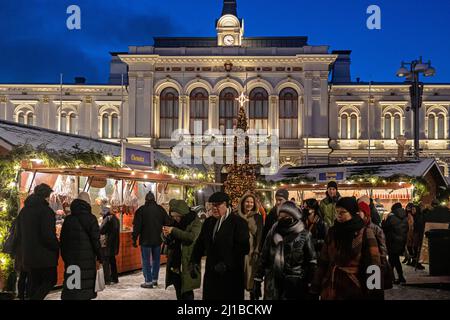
(115, 198)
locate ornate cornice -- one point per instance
(210, 60)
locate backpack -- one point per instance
(12, 240)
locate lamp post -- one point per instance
(416, 91)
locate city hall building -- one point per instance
(302, 90)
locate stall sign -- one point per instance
(331, 176)
(137, 157)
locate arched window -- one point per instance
(21, 118)
(72, 123)
(114, 126)
(30, 119)
(344, 126)
(228, 109)
(397, 126)
(353, 127)
(387, 126)
(105, 126)
(63, 122)
(258, 112)
(441, 126)
(431, 126)
(198, 109)
(169, 109)
(288, 114)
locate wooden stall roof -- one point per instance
(111, 173)
(382, 170)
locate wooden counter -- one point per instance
(128, 259)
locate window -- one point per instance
(72, 123)
(349, 127)
(288, 114)
(30, 119)
(353, 127)
(441, 126)
(169, 108)
(114, 126)
(258, 113)
(397, 126)
(198, 109)
(21, 118)
(387, 126)
(63, 122)
(228, 109)
(105, 126)
(344, 126)
(431, 126)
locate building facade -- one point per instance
(303, 91)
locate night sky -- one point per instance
(36, 46)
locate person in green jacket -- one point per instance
(180, 239)
(328, 204)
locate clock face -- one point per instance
(228, 40)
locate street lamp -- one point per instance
(416, 91)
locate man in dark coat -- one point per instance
(281, 196)
(80, 246)
(39, 244)
(110, 241)
(225, 242)
(396, 230)
(147, 226)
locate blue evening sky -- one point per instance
(36, 46)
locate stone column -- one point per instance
(132, 83)
(274, 114)
(156, 113)
(213, 112)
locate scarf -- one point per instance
(344, 233)
(279, 238)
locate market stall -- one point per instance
(110, 173)
(386, 183)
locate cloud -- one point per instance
(36, 45)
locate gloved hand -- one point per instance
(257, 293)
(220, 268)
(194, 270)
(135, 244)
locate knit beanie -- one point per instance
(349, 204)
(283, 193)
(364, 207)
(291, 209)
(178, 206)
(332, 184)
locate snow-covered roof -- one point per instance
(379, 169)
(15, 134)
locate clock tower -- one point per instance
(230, 29)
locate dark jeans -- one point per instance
(188, 295)
(394, 260)
(23, 286)
(151, 263)
(42, 282)
(110, 269)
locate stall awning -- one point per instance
(14, 134)
(318, 174)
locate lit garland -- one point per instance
(10, 166)
(419, 184)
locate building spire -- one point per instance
(229, 7)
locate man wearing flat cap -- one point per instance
(225, 242)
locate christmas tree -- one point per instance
(241, 178)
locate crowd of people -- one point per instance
(318, 249)
(84, 244)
